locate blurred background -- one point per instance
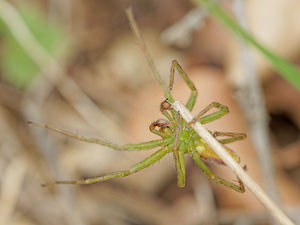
(76, 65)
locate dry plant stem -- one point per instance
(135, 29)
(58, 77)
(236, 168)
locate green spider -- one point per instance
(176, 136)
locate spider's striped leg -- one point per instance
(210, 117)
(192, 99)
(179, 155)
(239, 188)
(137, 167)
(127, 147)
(231, 136)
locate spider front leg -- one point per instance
(192, 99)
(127, 147)
(210, 117)
(137, 167)
(232, 136)
(239, 188)
(165, 130)
(179, 155)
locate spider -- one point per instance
(176, 136)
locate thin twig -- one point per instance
(136, 31)
(234, 166)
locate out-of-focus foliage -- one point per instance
(108, 66)
(17, 67)
(282, 66)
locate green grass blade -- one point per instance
(282, 66)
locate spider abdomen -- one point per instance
(208, 154)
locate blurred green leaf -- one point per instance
(282, 66)
(17, 67)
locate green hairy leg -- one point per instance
(127, 147)
(239, 188)
(137, 167)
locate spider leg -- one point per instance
(232, 136)
(127, 147)
(192, 99)
(137, 167)
(239, 188)
(210, 117)
(179, 155)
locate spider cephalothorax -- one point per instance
(177, 137)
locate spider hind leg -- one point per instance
(137, 167)
(239, 188)
(210, 117)
(192, 99)
(230, 136)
